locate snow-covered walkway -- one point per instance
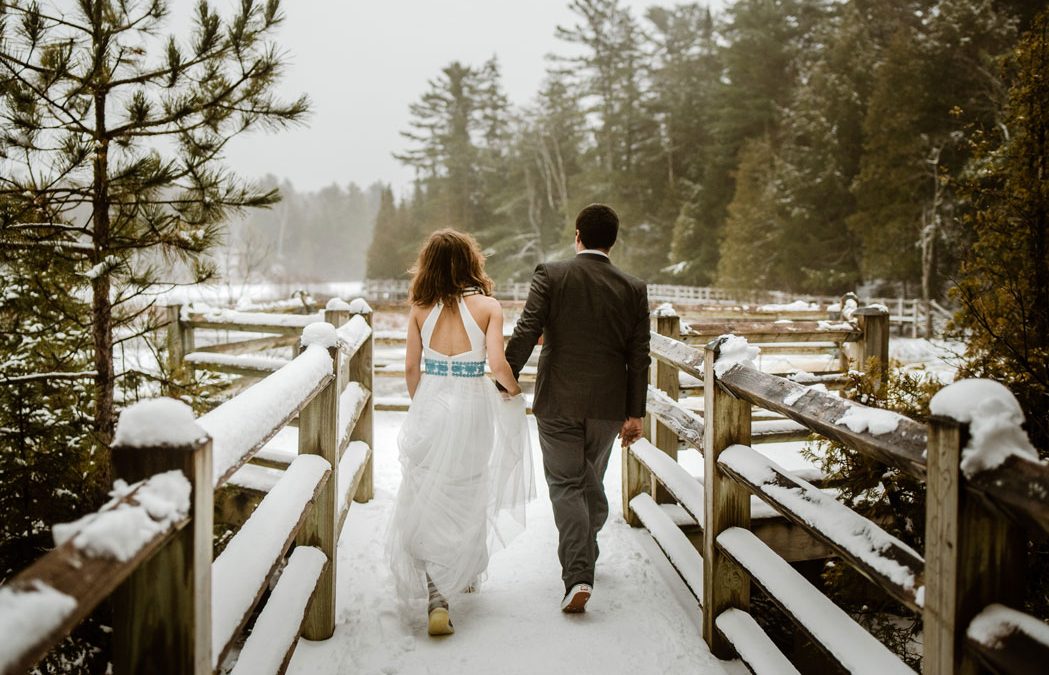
(641, 619)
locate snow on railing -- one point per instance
(156, 535)
(975, 446)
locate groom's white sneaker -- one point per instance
(576, 598)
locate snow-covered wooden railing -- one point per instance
(847, 343)
(175, 609)
(985, 486)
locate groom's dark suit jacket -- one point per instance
(594, 322)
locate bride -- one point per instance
(464, 448)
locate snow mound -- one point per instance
(997, 622)
(735, 351)
(321, 334)
(26, 614)
(796, 306)
(873, 420)
(157, 422)
(360, 306)
(995, 422)
(120, 533)
(792, 397)
(665, 310)
(337, 305)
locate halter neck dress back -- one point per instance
(466, 471)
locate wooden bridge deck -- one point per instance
(641, 619)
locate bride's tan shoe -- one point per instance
(440, 622)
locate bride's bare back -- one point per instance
(449, 334)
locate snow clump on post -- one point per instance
(734, 350)
(157, 422)
(995, 422)
(321, 334)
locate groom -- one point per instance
(592, 383)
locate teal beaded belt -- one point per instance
(453, 368)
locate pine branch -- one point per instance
(34, 377)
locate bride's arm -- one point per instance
(493, 339)
(413, 353)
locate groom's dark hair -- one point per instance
(598, 226)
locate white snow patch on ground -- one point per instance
(995, 422)
(735, 350)
(635, 622)
(26, 614)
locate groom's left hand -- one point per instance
(631, 431)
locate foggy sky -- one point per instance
(363, 61)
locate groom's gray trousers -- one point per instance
(575, 456)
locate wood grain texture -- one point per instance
(972, 556)
(249, 346)
(87, 579)
(763, 331)
(318, 422)
(665, 379)
(162, 611)
(362, 369)
(903, 448)
(726, 503)
(897, 552)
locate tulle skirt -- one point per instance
(466, 475)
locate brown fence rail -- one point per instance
(976, 528)
(176, 610)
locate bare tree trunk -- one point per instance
(101, 302)
(929, 233)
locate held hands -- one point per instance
(631, 431)
(508, 394)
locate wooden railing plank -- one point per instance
(264, 540)
(273, 638)
(1009, 642)
(87, 579)
(904, 447)
(1019, 488)
(827, 625)
(762, 331)
(682, 555)
(755, 649)
(249, 346)
(889, 563)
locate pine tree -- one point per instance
(391, 251)
(122, 151)
(458, 130)
(751, 245)
(1004, 288)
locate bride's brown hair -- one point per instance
(449, 263)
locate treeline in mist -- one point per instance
(307, 236)
(805, 145)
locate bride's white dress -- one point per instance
(466, 469)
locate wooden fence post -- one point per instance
(318, 435)
(361, 370)
(973, 557)
(337, 313)
(162, 612)
(874, 322)
(179, 343)
(666, 379)
(726, 503)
